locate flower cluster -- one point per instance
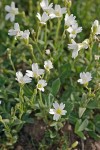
(71, 26)
(35, 73)
(50, 12)
(18, 33)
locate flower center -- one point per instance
(58, 13)
(59, 111)
(73, 32)
(39, 85)
(13, 11)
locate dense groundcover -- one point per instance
(50, 75)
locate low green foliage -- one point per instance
(25, 103)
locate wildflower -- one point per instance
(44, 18)
(75, 47)
(16, 31)
(48, 65)
(47, 51)
(12, 11)
(22, 79)
(58, 110)
(36, 72)
(41, 84)
(25, 34)
(70, 20)
(57, 12)
(74, 30)
(46, 6)
(96, 27)
(96, 57)
(85, 78)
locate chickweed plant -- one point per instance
(50, 70)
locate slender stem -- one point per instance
(38, 33)
(40, 100)
(30, 7)
(12, 64)
(32, 53)
(21, 101)
(39, 49)
(57, 31)
(45, 36)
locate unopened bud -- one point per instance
(74, 144)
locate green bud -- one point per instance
(74, 144)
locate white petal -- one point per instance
(16, 26)
(70, 29)
(63, 10)
(51, 111)
(80, 80)
(39, 16)
(26, 79)
(74, 54)
(64, 112)
(7, 8)
(56, 117)
(56, 105)
(13, 5)
(12, 18)
(29, 73)
(34, 67)
(62, 106)
(8, 16)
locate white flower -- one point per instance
(48, 65)
(47, 51)
(85, 78)
(70, 20)
(96, 27)
(12, 11)
(74, 30)
(22, 79)
(75, 47)
(41, 84)
(96, 57)
(44, 18)
(46, 6)
(57, 12)
(16, 31)
(36, 72)
(58, 110)
(25, 34)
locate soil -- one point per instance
(36, 132)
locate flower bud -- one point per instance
(74, 144)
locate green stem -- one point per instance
(57, 31)
(38, 33)
(21, 101)
(9, 55)
(40, 100)
(39, 50)
(32, 53)
(45, 36)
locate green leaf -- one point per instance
(50, 100)
(81, 111)
(83, 125)
(55, 86)
(80, 134)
